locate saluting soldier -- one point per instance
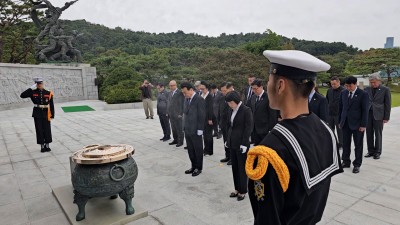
(289, 182)
(43, 112)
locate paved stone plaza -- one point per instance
(171, 197)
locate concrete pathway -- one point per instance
(171, 197)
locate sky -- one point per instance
(364, 24)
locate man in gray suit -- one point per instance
(195, 115)
(217, 98)
(379, 113)
(175, 113)
(162, 103)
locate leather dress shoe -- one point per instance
(356, 169)
(178, 145)
(377, 156)
(226, 159)
(344, 165)
(368, 155)
(162, 139)
(196, 172)
(47, 149)
(189, 171)
(229, 162)
(173, 142)
(207, 153)
(240, 197)
(43, 150)
(233, 195)
(113, 196)
(166, 139)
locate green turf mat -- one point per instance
(78, 108)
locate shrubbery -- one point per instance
(125, 91)
(121, 86)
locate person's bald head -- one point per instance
(172, 85)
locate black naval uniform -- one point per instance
(43, 111)
(309, 149)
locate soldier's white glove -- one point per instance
(33, 87)
(243, 148)
(225, 145)
(199, 132)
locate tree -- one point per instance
(271, 41)
(375, 60)
(12, 12)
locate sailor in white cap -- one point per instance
(43, 112)
(290, 170)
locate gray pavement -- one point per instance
(171, 197)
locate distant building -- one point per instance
(389, 42)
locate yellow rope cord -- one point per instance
(266, 155)
(48, 108)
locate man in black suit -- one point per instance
(264, 117)
(333, 98)
(247, 91)
(175, 113)
(195, 116)
(318, 104)
(217, 98)
(379, 114)
(353, 117)
(223, 111)
(209, 120)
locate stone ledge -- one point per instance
(99, 211)
(134, 105)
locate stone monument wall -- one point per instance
(69, 82)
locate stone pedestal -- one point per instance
(69, 82)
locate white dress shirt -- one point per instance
(235, 112)
(352, 93)
(205, 95)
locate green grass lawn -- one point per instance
(395, 96)
(79, 108)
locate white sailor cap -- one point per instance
(38, 80)
(295, 65)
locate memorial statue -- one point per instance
(58, 46)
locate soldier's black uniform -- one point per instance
(43, 112)
(309, 149)
(296, 160)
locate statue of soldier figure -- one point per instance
(59, 46)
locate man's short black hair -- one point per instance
(257, 82)
(233, 96)
(335, 78)
(351, 80)
(160, 85)
(251, 76)
(213, 86)
(205, 84)
(300, 89)
(187, 85)
(226, 84)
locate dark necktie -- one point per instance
(350, 96)
(257, 100)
